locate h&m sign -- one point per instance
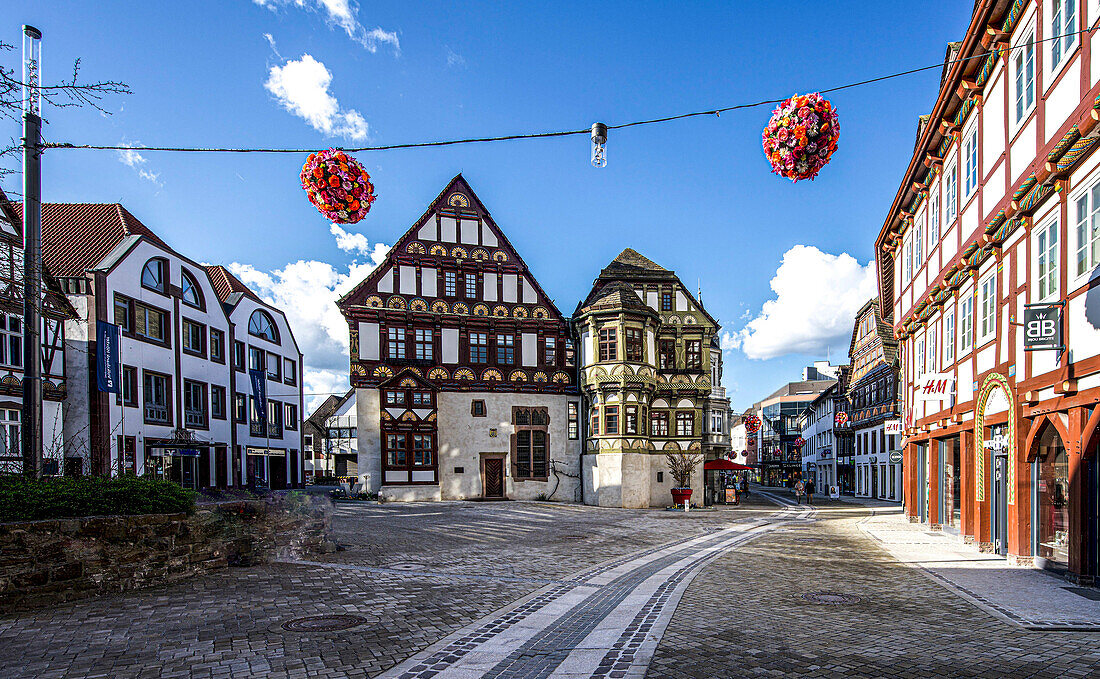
(935, 387)
(892, 427)
(1043, 326)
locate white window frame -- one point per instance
(1024, 49)
(950, 193)
(908, 260)
(966, 323)
(1085, 212)
(933, 218)
(948, 339)
(987, 308)
(918, 242)
(918, 359)
(1047, 260)
(1061, 51)
(931, 358)
(972, 172)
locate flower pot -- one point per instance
(681, 495)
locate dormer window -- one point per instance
(190, 290)
(261, 325)
(152, 275)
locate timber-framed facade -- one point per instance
(996, 212)
(453, 342)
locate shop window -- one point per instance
(1053, 505)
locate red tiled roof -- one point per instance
(77, 236)
(225, 283)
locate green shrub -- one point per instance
(22, 499)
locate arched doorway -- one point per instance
(1052, 506)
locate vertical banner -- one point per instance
(107, 358)
(259, 392)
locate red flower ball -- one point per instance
(801, 136)
(338, 186)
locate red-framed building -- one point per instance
(998, 209)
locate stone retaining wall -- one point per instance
(46, 562)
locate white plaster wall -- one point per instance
(369, 442)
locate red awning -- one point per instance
(725, 465)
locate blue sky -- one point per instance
(696, 195)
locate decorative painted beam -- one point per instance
(1013, 15)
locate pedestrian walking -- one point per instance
(799, 488)
(810, 492)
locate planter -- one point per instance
(681, 496)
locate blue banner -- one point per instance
(259, 392)
(107, 358)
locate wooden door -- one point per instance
(494, 477)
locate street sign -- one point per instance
(1043, 327)
(936, 387)
(892, 427)
(896, 457)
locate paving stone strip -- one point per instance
(606, 623)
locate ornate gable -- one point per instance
(455, 233)
(453, 291)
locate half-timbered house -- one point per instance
(651, 380)
(463, 367)
(55, 310)
(872, 389)
(998, 210)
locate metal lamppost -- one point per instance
(32, 251)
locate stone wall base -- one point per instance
(43, 563)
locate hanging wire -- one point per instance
(560, 133)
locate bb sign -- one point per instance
(1043, 327)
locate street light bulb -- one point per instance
(599, 138)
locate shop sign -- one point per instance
(936, 387)
(893, 427)
(1043, 326)
(998, 443)
(896, 457)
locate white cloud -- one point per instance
(817, 296)
(306, 291)
(271, 42)
(454, 58)
(302, 88)
(136, 161)
(357, 243)
(343, 14)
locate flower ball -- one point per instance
(801, 136)
(338, 186)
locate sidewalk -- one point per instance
(1029, 597)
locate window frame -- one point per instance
(987, 305)
(574, 422)
(611, 419)
(972, 178)
(693, 354)
(682, 417)
(634, 344)
(145, 394)
(527, 431)
(658, 423)
(423, 344)
(505, 348)
(162, 287)
(607, 344)
(216, 345)
(1047, 260)
(948, 342)
(1023, 49)
(188, 280)
(950, 192)
(1086, 246)
(271, 325)
(478, 351)
(1067, 45)
(193, 329)
(216, 413)
(966, 323)
(190, 388)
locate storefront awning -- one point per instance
(725, 465)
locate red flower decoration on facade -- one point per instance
(801, 136)
(338, 186)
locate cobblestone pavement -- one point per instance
(535, 589)
(415, 573)
(745, 616)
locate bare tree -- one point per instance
(682, 465)
(65, 94)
